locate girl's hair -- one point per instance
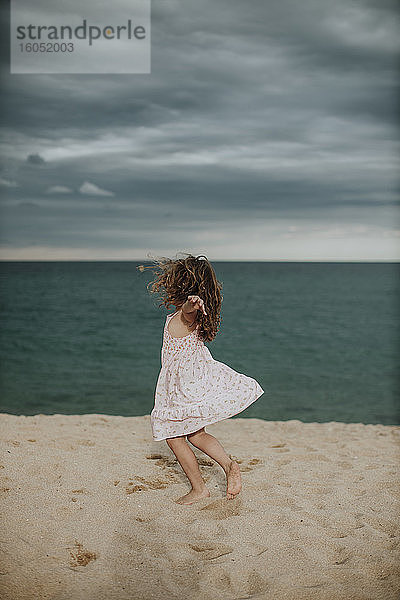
(177, 279)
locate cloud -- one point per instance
(8, 183)
(35, 159)
(92, 189)
(58, 189)
(282, 114)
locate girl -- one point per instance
(194, 390)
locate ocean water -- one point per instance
(322, 339)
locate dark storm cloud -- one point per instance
(252, 110)
(35, 159)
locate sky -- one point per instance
(265, 131)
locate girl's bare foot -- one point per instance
(234, 480)
(193, 496)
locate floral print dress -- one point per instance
(194, 390)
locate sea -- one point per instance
(321, 338)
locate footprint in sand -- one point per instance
(145, 520)
(223, 509)
(210, 550)
(254, 583)
(143, 484)
(342, 556)
(382, 525)
(279, 448)
(338, 526)
(166, 461)
(218, 579)
(238, 583)
(277, 499)
(247, 464)
(80, 557)
(162, 461)
(155, 484)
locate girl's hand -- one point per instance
(197, 303)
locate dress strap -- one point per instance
(172, 314)
(169, 317)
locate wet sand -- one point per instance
(88, 513)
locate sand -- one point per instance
(88, 512)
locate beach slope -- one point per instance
(88, 512)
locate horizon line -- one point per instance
(140, 260)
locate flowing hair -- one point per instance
(176, 279)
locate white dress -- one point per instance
(194, 390)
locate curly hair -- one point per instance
(176, 279)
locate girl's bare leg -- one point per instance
(188, 461)
(211, 446)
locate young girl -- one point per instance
(194, 390)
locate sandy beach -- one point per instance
(88, 513)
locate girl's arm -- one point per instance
(190, 308)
